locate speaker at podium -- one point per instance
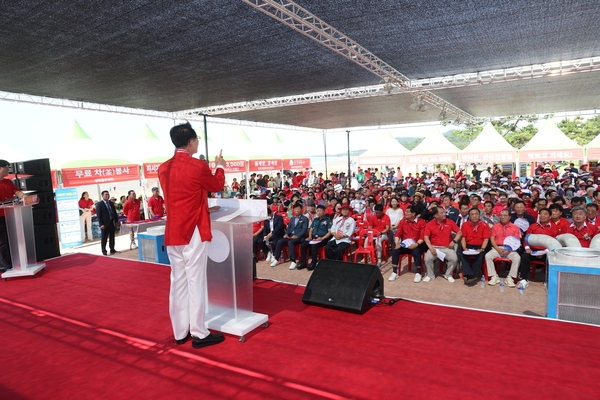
(344, 286)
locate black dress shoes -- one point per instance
(114, 252)
(104, 253)
(311, 267)
(212, 338)
(184, 340)
(301, 266)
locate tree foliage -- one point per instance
(580, 130)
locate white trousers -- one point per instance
(187, 298)
(86, 218)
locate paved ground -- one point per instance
(533, 302)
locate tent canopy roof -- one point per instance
(489, 140)
(550, 137)
(435, 143)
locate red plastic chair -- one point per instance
(409, 261)
(366, 245)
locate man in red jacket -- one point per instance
(186, 182)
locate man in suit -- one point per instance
(273, 230)
(186, 182)
(107, 218)
(294, 236)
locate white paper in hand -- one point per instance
(408, 242)
(470, 252)
(522, 223)
(440, 255)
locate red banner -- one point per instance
(54, 177)
(593, 153)
(151, 170)
(231, 166)
(265, 165)
(296, 163)
(73, 177)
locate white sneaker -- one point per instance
(449, 278)
(494, 280)
(523, 284)
(293, 265)
(393, 276)
(428, 278)
(418, 278)
(269, 257)
(510, 282)
(274, 263)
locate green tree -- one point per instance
(580, 130)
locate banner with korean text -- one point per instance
(231, 166)
(296, 163)
(431, 158)
(73, 177)
(488, 156)
(265, 165)
(151, 170)
(550, 155)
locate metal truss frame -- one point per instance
(82, 105)
(303, 21)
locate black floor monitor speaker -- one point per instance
(344, 286)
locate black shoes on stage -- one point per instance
(212, 338)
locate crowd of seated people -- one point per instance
(472, 223)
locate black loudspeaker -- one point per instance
(12, 168)
(46, 200)
(46, 242)
(41, 183)
(344, 286)
(34, 167)
(44, 215)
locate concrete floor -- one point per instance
(439, 291)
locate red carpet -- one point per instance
(96, 327)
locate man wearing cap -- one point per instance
(438, 238)
(276, 207)
(342, 230)
(583, 231)
(7, 192)
(499, 233)
(156, 204)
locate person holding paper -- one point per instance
(499, 233)
(318, 235)
(409, 240)
(438, 237)
(543, 227)
(475, 237)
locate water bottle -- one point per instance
(521, 290)
(482, 284)
(501, 286)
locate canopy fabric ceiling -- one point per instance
(179, 55)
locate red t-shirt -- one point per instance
(380, 223)
(156, 204)
(411, 229)
(131, 210)
(7, 191)
(475, 234)
(562, 225)
(83, 203)
(440, 234)
(538, 229)
(583, 234)
(256, 226)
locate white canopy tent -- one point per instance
(593, 149)
(386, 152)
(488, 146)
(550, 144)
(435, 149)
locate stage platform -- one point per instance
(97, 327)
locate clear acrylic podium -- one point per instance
(229, 274)
(21, 238)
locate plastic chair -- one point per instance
(533, 265)
(366, 245)
(498, 262)
(410, 259)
